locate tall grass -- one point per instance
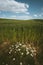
(27, 32)
(21, 31)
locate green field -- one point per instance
(21, 36)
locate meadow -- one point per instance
(21, 42)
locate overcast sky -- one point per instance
(21, 9)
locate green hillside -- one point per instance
(20, 37)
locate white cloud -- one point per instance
(35, 15)
(40, 15)
(24, 17)
(27, 13)
(10, 17)
(13, 6)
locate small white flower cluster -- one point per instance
(21, 49)
(11, 48)
(29, 49)
(19, 46)
(10, 51)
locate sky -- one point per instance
(21, 9)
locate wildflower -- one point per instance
(9, 47)
(12, 45)
(27, 52)
(19, 49)
(27, 49)
(20, 44)
(13, 59)
(17, 46)
(22, 53)
(9, 52)
(32, 51)
(31, 55)
(20, 63)
(15, 51)
(23, 45)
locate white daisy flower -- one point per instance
(17, 46)
(31, 55)
(12, 45)
(27, 52)
(22, 53)
(20, 44)
(32, 51)
(27, 49)
(21, 63)
(19, 49)
(9, 52)
(13, 59)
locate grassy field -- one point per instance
(21, 42)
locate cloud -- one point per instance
(41, 14)
(9, 17)
(35, 15)
(24, 17)
(38, 16)
(27, 13)
(14, 6)
(21, 17)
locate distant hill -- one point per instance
(20, 21)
